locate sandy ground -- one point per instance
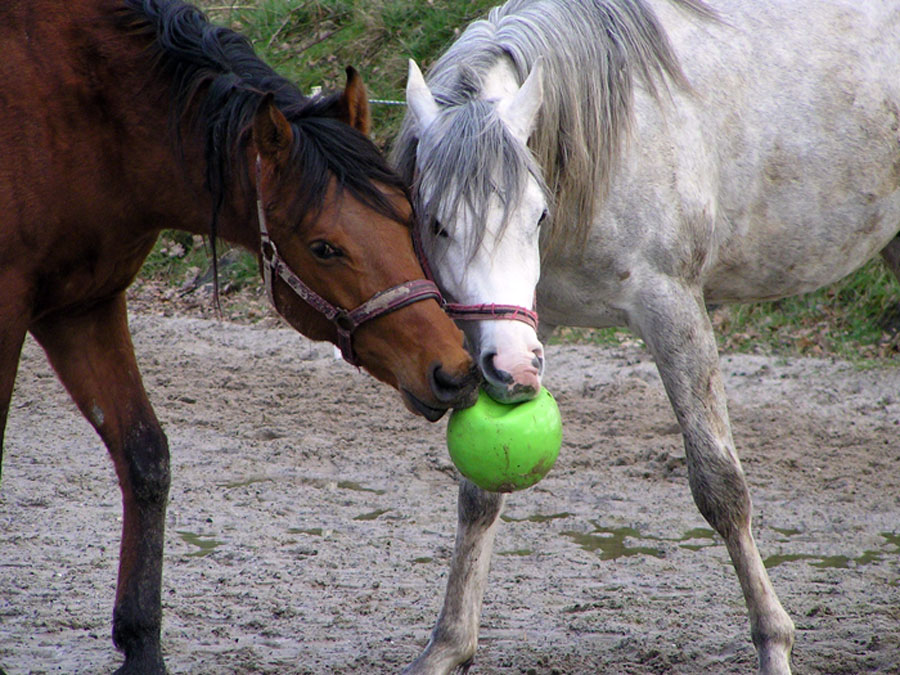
(312, 518)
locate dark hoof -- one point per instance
(144, 664)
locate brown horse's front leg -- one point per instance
(13, 324)
(93, 356)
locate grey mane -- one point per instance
(592, 50)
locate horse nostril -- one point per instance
(491, 372)
(538, 360)
(441, 380)
(449, 388)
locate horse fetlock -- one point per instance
(143, 664)
(452, 645)
(137, 635)
(773, 636)
(442, 658)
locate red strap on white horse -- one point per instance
(491, 312)
(485, 312)
(345, 321)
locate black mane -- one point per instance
(217, 69)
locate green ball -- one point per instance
(503, 448)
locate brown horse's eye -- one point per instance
(325, 251)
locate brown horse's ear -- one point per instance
(354, 103)
(272, 133)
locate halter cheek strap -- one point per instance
(345, 321)
(485, 312)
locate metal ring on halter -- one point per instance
(345, 321)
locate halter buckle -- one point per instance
(268, 250)
(344, 321)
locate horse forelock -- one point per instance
(592, 53)
(216, 74)
(469, 159)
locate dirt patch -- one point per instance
(312, 518)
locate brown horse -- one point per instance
(119, 119)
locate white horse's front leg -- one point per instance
(672, 320)
(455, 637)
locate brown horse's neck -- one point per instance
(193, 206)
(165, 183)
(236, 220)
(88, 124)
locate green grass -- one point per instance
(857, 318)
(183, 260)
(312, 41)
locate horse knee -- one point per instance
(146, 455)
(720, 492)
(478, 507)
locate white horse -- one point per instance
(667, 155)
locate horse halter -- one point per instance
(485, 312)
(345, 321)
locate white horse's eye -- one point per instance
(439, 230)
(542, 218)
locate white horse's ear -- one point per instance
(520, 110)
(419, 97)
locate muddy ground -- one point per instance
(312, 518)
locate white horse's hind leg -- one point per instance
(455, 636)
(891, 255)
(672, 320)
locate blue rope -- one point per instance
(315, 91)
(381, 101)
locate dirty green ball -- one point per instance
(505, 447)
